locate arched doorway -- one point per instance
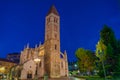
(29, 75)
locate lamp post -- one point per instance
(36, 60)
(101, 56)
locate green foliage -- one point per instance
(90, 60)
(107, 51)
(118, 56)
(80, 53)
(111, 48)
(107, 36)
(101, 49)
(101, 73)
(86, 60)
(116, 74)
(81, 56)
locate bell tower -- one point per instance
(52, 43)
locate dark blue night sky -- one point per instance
(23, 21)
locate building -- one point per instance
(46, 59)
(5, 66)
(15, 57)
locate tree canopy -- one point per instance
(86, 60)
(109, 45)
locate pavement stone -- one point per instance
(64, 78)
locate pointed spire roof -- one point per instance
(40, 44)
(36, 46)
(53, 10)
(27, 46)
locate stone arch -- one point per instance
(29, 74)
(61, 55)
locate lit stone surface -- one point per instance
(50, 63)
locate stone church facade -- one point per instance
(52, 61)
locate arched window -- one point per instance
(55, 28)
(62, 64)
(55, 36)
(56, 20)
(48, 20)
(47, 36)
(55, 47)
(29, 75)
(40, 64)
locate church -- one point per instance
(45, 59)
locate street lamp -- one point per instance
(36, 60)
(101, 56)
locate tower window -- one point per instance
(47, 36)
(55, 47)
(56, 20)
(55, 28)
(40, 64)
(48, 20)
(55, 36)
(62, 64)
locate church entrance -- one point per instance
(29, 75)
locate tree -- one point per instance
(117, 59)
(86, 60)
(111, 50)
(101, 47)
(90, 63)
(101, 54)
(81, 56)
(107, 36)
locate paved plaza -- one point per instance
(64, 78)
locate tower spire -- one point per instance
(36, 46)
(27, 46)
(39, 43)
(53, 10)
